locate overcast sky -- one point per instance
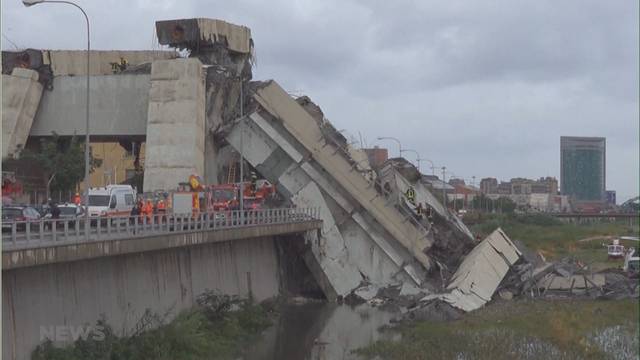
(485, 88)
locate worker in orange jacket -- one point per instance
(147, 210)
(161, 206)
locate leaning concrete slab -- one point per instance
(175, 126)
(480, 273)
(21, 93)
(355, 249)
(300, 125)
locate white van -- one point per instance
(112, 200)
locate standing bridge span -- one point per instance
(59, 274)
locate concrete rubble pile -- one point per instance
(566, 278)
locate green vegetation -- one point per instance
(61, 161)
(523, 330)
(552, 237)
(215, 329)
(502, 204)
(532, 329)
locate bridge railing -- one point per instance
(48, 232)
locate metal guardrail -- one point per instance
(40, 233)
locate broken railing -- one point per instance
(47, 232)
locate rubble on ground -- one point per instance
(568, 278)
(498, 268)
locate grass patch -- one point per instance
(550, 236)
(522, 329)
(217, 328)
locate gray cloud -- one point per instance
(485, 88)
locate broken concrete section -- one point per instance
(226, 51)
(183, 33)
(20, 100)
(175, 126)
(568, 278)
(480, 273)
(450, 237)
(299, 124)
(364, 239)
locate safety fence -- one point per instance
(48, 232)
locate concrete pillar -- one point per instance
(21, 94)
(175, 124)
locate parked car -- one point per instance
(13, 213)
(67, 212)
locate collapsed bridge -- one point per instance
(196, 114)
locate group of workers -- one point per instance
(146, 208)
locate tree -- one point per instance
(505, 204)
(483, 203)
(61, 161)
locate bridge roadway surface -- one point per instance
(69, 242)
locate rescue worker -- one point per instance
(419, 211)
(55, 210)
(148, 210)
(135, 212)
(161, 207)
(430, 214)
(254, 182)
(140, 206)
(76, 199)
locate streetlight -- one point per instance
(433, 167)
(241, 148)
(415, 152)
(455, 190)
(394, 139)
(444, 193)
(28, 3)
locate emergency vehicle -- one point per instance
(111, 200)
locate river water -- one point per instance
(321, 331)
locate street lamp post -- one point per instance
(418, 159)
(433, 167)
(455, 191)
(28, 3)
(444, 193)
(394, 139)
(241, 148)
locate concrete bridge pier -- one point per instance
(175, 126)
(20, 99)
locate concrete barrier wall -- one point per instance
(122, 287)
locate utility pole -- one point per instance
(473, 183)
(241, 147)
(87, 140)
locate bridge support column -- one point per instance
(175, 123)
(21, 97)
